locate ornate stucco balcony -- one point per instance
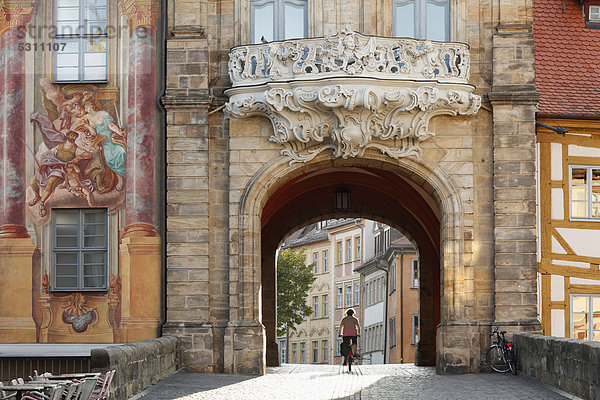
(349, 92)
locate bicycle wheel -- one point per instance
(512, 362)
(350, 362)
(496, 360)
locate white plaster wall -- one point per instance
(556, 161)
(558, 323)
(580, 151)
(571, 263)
(557, 288)
(581, 281)
(557, 248)
(373, 315)
(583, 241)
(557, 201)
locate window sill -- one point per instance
(95, 290)
(78, 82)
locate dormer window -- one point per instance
(593, 20)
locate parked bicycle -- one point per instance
(502, 355)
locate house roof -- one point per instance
(567, 56)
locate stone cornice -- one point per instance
(140, 13)
(15, 14)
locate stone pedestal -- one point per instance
(16, 291)
(140, 272)
(245, 343)
(458, 346)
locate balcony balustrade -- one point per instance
(348, 92)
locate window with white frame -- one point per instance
(315, 306)
(377, 244)
(340, 296)
(414, 273)
(392, 277)
(358, 249)
(392, 332)
(315, 358)
(277, 20)
(302, 352)
(585, 192)
(348, 295)
(356, 293)
(594, 13)
(325, 264)
(294, 353)
(316, 263)
(415, 329)
(422, 19)
(282, 351)
(348, 250)
(340, 257)
(81, 41)
(338, 343)
(79, 259)
(325, 306)
(585, 316)
(386, 238)
(325, 351)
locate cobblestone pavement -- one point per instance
(376, 382)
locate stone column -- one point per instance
(140, 254)
(16, 247)
(514, 99)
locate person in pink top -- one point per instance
(349, 330)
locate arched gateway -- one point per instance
(394, 123)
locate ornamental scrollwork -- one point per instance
(349, 119)
(349, 53)
(347, 92)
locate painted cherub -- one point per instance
(74, 185)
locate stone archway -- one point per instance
(421, 198)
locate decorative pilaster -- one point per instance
(141, 117)
(14, 16)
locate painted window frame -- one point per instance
(302, 352)
(325, 264)
(80, 250)
(414, 273)
(356, 293)
(278, 17)
(340, 252)
(590, 315)
(315, 307)
(325, 350)
(339, 297)
(420, 16)
(392, 332)
(414, 329)
(589, 192)
(358, 255)
(316, 262)
(325, 305)
(81, 38)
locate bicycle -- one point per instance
(346, 351)
(502, 356)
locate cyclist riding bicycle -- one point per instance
(349, 331)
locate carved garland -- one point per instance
(349, 119)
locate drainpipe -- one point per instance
(385, 269)
(402, 306)
(163, 168)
